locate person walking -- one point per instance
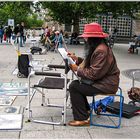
(17, 34)
(9, 34)
(21, 33)
(98, 72)
(1, 34)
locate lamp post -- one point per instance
(131, 16)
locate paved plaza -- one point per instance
(8, 61)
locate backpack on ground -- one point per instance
(36, 50)
(23, 66)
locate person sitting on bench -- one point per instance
(134, 43)
(73, 39)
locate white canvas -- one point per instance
(11, 122)
(64, 55)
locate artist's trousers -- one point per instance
(80, 105)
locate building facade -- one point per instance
(125, 25)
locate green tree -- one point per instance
(71, 12)
(14, 10)
(33, 21)
(119, 8)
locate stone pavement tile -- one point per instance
(110, 133)
(32, 126)
(58, 101)
(132, 122)
(112, 121)
(124, 59)
(9, 134)
(54, 94)
(101, 120)
(44, 111)
(105, 120)
(37, 126)
(129, 128)
(21, 101)
(67, 127)
(69, 117)
(52, 134)
(54, 97)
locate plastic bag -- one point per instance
(100, 105)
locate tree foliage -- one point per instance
(64, 11)
(33, 21)
(71, 12)
(119, 8)
(19, 11)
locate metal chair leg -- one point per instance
(119, 116)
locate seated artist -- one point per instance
(99, 66)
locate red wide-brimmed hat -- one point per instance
(93, 30)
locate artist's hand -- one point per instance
(74, 67)
(73, 56)
(82, 64)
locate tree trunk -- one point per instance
(76, 26)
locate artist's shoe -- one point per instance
(79, 123)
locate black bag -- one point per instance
(128, 110)
(36, 50)
(23, 66)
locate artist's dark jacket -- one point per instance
(103, 70)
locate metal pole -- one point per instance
(131, 26)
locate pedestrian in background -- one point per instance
(1, 34)
(9, 34)
(17, 34)
(21, 33)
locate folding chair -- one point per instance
(118, 116)
(51, 81)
